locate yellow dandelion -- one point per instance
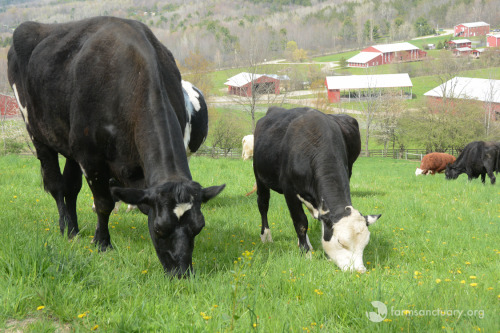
(82, 315)
(387, 320)
(254, 325)
(467, 263)
(438, 280)
(472, 277)
(447, 280)
(41, 307)
(406, 312)
(473, 284)
(462, 282)
(490, 288)
(95, 327)
(144, 271)
(215, 306)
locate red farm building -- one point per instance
(483, 90)
(462, 51)
(8, 106)
(460, 43)
(367, 86)
(493, 40)
(386, 53)
(244, 84)
(472, 29)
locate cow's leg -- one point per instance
(299, 219)
(263, 196)
(54, 183)
(483, 177)
(72, 176)
(104, 204)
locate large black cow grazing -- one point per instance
(307, 156)
(107, 95)
(477, 159)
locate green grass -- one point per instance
(434, 239)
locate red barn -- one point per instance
(459, 43)
(472, 29)
(462, 51)
(375, 84)
(386, 53)
(482, 90)
(493, 40)
(8, 106)
(241, 84)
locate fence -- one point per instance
(406, 154)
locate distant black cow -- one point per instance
(477, 159)
(307, 156)
(107, 95)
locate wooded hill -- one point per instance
(228, 32)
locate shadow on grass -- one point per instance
(364, 194)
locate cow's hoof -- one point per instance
(266, 236)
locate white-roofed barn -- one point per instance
(386, 53)
(483, 90)
(357, 85)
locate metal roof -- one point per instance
(474, 24)
(497, 35)
(363, 57)
(385, 48)
(368, 81)
(485, 90)
(463, 49)
(460, 41)
(239, 80)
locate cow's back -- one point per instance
(96, 83)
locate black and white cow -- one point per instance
(107, 95)
(477, 159)
(196, 130)
(303, 154)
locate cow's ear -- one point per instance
(370, 219)
(131, 196)
(211, 192)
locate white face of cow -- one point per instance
(350, 237)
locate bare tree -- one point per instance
(387, 120)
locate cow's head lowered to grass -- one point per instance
(345, 240)
(174, 219)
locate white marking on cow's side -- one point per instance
(182, 208)
(111, 129)
(314, 211)
(350, 237)
(193, 95)
(83, 171)
(187, 135)
(266, 236)
(23, 108)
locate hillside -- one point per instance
(227, 32)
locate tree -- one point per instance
(440, 125)
(225, 135)
(423, 28)
(392, 107)
(196, 70)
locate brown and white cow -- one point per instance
(107, 95)
(434, 163)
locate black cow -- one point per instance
(307, 156)
(477, 159)
(107, 95)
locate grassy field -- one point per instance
(433, 254)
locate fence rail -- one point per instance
(405, 154)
